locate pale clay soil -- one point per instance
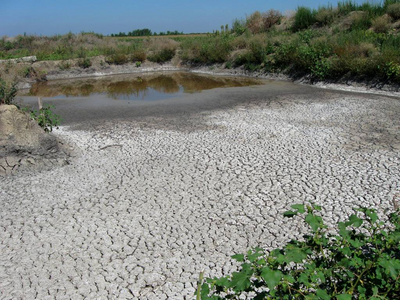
(155, 194)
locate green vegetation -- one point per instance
(46, 118)
(145, 32)
(360, 261)
(350, 41)
(7, 92)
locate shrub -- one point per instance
(381, 24)
(325, 16)
(138, 55)
(393, 10)
(206, 50)
(162, 55)
(117, 59)
(360, 261)
(238, 26)
(64, 65)
(84, 63)
(161, 49)
(271, 18)
(7, 92)
(255, 22)
(359, 20)
(303, 19)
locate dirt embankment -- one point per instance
(25, 145)
(52, 70)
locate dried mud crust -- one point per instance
(143, 209)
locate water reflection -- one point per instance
(149, 87)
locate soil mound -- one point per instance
(24, 144)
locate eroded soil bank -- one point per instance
(157, 193)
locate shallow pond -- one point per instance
(149, 87)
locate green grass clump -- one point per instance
(360, 260)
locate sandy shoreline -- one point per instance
(151, 200)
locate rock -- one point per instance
(30, 59)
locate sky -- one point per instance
(50, 17)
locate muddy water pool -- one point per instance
(151, 87)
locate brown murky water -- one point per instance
(138, 88)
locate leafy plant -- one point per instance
(360, 261)
(46, 118)
(7, 92)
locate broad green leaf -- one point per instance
(289, 214)
(392, 266)
(317, 207)
(222, 282)
(355, 221)
(314, 221)
(322, 294)
(343, 297)
(299, 207)
(240, 281)
(238, 257)
(205, 290)
(271, 277)
(294, 254)
(253, 256)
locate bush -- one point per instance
(139, 55)
(303, 19)
(206, 50)
(271, 18)
(117, 59)
(84, 63)
(238, 26)
(7, 92)
(255, 22)
(393, 10)
(360, 261)
(161, 49)
(381, 24)
(162, 55)
(325, 16)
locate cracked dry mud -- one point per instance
(148, 203)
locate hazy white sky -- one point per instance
(49, 17)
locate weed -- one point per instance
(362, 261)
(46, 118)
(138, 64)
